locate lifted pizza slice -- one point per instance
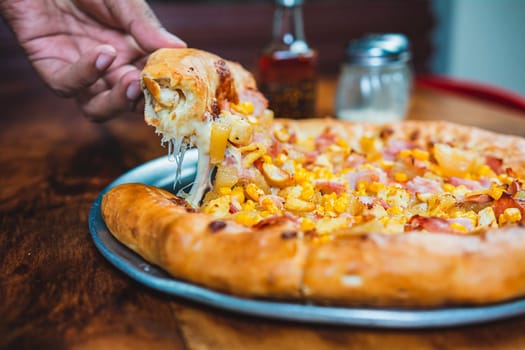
(196, 99)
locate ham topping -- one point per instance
(430, 224)
(422, 185)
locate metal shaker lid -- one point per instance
(378, 49)
(289, 3)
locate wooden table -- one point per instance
(56, 289)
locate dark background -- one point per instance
(238, 30)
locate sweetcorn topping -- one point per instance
(330, 183)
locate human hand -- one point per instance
(91, 50)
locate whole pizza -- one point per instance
(418, 214)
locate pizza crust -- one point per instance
(413, 269)
(195, 247)
(417, 269)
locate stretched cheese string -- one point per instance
(176, 151)
(202, 178)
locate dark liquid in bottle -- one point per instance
(288, 80)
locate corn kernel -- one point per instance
(448, 187)
(341, 204)
(386, 164)
(269, 205)
(224, 191)
(504, 178)
(248, 205)
(361, 187)
(375, 187)
(307, 191)
(484, 170)
(245, 108)
(368, 144)
(510, 215)
(253, 191)
(404, 153)
(307, 224)
(400, 177)
(247, 218)
(238, 194)
(420, 154)
(395, 210)
(495, 192)
(458, 227)
(267, 159)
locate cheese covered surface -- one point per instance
(335, 176)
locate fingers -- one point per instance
(91, 65)
(123, 96)
(140, 21)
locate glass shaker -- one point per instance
(376, 79)
(287, 67)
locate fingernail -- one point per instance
(104, 60)
(133, 91)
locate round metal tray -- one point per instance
(160, 172)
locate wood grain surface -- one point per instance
(58, 292)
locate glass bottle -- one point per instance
(376, 79)
(287, 66)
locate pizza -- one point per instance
(408, 214)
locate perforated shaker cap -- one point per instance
(289, 3)
(378, 49)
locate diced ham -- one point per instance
(355, 159)
(257, 99)
(275, 148)
(310, 157)
(494, 163)
(234, 207)
(370, 175)
(325, 140)
(513, 188)
(470, 184)
(430, 224)
(329, 186)
(272, 220)
(259, 137)
(393, 147)
(505, 202)
(232, 158)
(478, 198)
(423, 185)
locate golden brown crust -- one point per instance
(201, 79)
(411, 269)
(417, 269)
(191, 246)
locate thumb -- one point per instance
(137, 18)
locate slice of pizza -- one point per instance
(195, 98)
(411, 213)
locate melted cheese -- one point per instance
(181, 134)
(369, 187)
